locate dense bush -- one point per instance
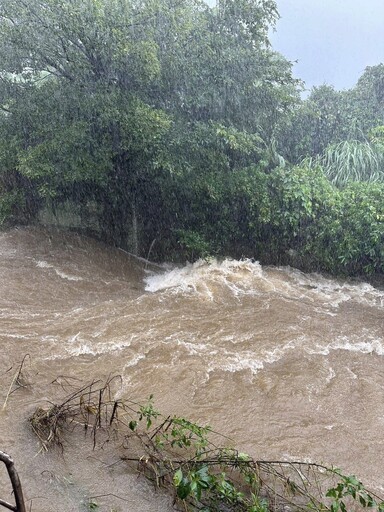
(285, 216)
(324, 228)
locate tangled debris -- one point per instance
(178, 455)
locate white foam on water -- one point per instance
(44, 264)
(134, 361)
(197, 348)
(232, 361)
(83, 348)
(60, 273)
(335, 292)
(76, 346)
(126, 374)
(351, 373)
(279, 352)
(344, 343)
(209, 279)
(18, 336)
(237, 363)
(331, 375)
(202, 277)
(227, 357)
(364, 347)
(247, 360)
(70, 277)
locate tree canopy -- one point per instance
(101, 99)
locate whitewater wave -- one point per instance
(206, 278)
(211, 279)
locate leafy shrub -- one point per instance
(349, 237)
(325, 228)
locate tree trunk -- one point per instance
(135, 235)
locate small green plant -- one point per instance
(184, 433)
(349, 487)
(147, 412)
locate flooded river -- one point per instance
(288, 365)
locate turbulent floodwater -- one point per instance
(288, 365)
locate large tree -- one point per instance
(106, 101)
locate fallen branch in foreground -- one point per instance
(177, 454)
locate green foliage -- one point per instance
(210, 478)
(285, 216)
(351, 487)
(170, 124)
(214, 479)
(92, 505)
(185, 434)
(320, 120)
(367, 98)
(329, 117)
(193, 484)
(8, 202)
(351, 161)
(194, 244)
(105, 100)
(311, 224)
(376, 136)
(348, 237)
(146, 412)
(297, 198)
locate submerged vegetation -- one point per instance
(171, 126)
(179, 457)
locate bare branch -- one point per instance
(16, 485)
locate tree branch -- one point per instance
(7, 505)
(16, 485)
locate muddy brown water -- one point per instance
(288, 365)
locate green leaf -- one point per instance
(335, 506)
(178, 477)
(132, 425)
(183, 490)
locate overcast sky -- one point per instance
(333, 40)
